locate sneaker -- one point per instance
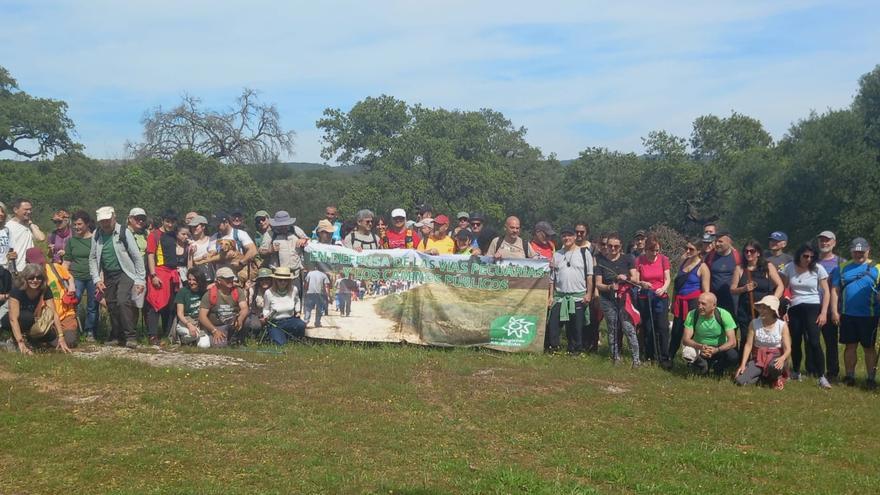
(154, 340)
(111, 343)
(636, 364)
(796, 376)
(849, 381)
(824, 383)
(131, 344)
(90, 338)
(871, 384)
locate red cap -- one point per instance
(442, 220)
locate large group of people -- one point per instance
(758, 315)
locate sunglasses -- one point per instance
(580, 232)
(750, 251)
(807, 256)
(31, 279)
(476, 224)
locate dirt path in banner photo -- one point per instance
(364, 324)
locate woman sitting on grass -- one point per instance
(767, 347)
(32, 316)
(279, 308)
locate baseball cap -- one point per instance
(424, 222)
(221, 216)
(567, 230)
(442, 220)
(477, 216)
(236, 212)
(778, 236)
(104, 213)
(325, 226)
(225, 272)
(859, 244)
(198, 220)
(137, 212)
(707, 238)
(398, 212)
(640, 233)
(463, 214)
(827, 234)
(261, 213)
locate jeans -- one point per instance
(119, 304)
(803, 327)
(286, 328)
(655, 323)
(91, 323)
(574, 328)
(345, 303)
(316, 302)
(591, 330)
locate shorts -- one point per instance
(858, 330)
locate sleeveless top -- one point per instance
(768, 336)
(763, 287)
(692, 281)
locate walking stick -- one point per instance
(751, 293)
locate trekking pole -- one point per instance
(654, 336)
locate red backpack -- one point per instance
(212, 295)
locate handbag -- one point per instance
(68, 298)
(43, 322)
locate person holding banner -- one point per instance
(439, 242)
(363, 237)
(615, 270)
(572, 290)
(510, 245)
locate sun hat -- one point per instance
(771, 302)
(281, 219)
(282, 273)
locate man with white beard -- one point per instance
(826, 241)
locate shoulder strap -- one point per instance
(212, 295)
(719, 319)
(61, 281)
(525, 248)
(584, 256)
(235, 294)
(238, 243)
(498, 241)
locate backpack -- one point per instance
(498, 240)
(375, 242)
(212, 295)
(717, 318)
(584, 256)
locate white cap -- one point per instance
(105, 213)
(137, 212)
(398, 212)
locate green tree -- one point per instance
(867, 106)
(32, 127)
(716, 138)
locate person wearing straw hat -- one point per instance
(767, 347)
(280, 308)
(282, 246)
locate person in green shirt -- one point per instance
(187, 302)
(709, 337)
(76, 260)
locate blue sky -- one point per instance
(576, 74)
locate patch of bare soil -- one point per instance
(161, 358)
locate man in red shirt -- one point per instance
(398, 236)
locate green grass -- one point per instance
(399, 419)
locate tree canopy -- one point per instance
(32, 127)
(247, 134)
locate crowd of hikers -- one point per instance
(762, 316)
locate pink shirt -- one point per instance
(653, 272)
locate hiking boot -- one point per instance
(666, 365)
(131, 344)
(824, 383)
(636, 364)
(154, 340)
(111, 343)
(871, 384)
(849, 381)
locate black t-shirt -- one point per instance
(485, 237)
(25, 303)
(609, 270)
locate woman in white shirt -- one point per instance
(767, 347)
(807, 312)
(280, 304)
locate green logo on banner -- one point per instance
(513, 330)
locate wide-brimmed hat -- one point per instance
(264, 273)
(771, 302)
(282, 219)
(282, 273)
